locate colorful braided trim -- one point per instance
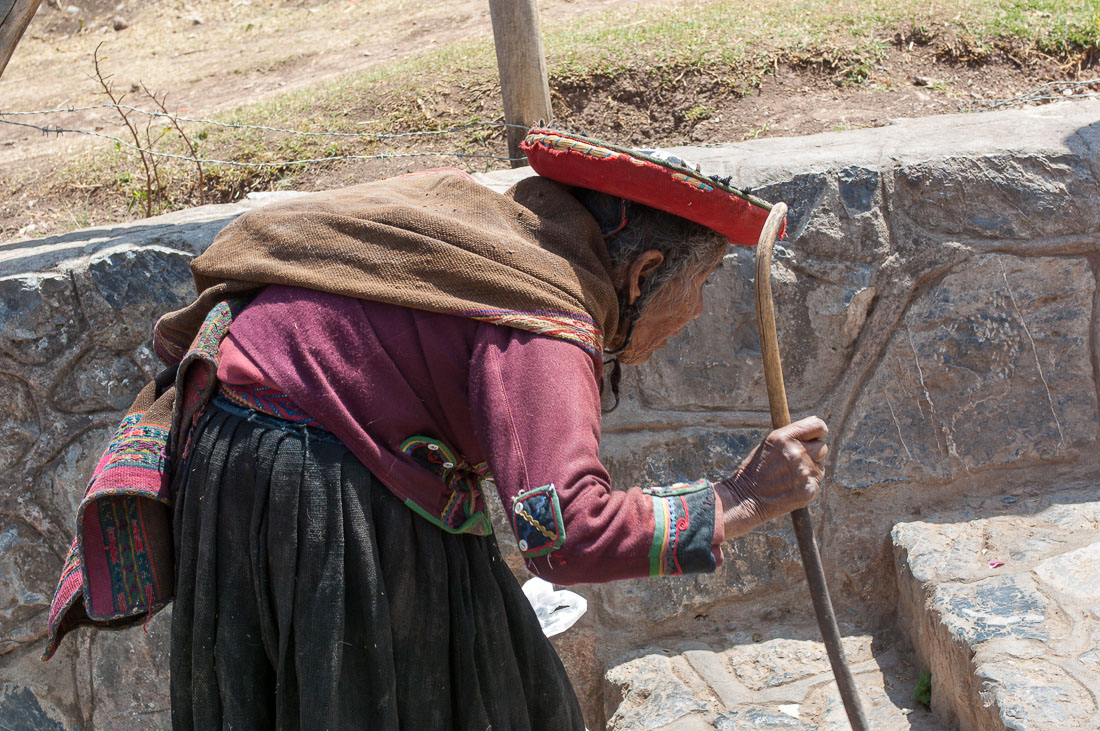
(266, 400)
(565, 144)
(464, 510)
(537, 521)
(574, 328)
(135, 446)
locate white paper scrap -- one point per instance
(557, 610)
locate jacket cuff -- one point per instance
(684, 529)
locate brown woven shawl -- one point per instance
(532, 258)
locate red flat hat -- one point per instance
(666, 183)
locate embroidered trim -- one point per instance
(168, 350)
(196, 377)
(68, 591)
(537, 521)
(133, 578)
(133, 446)
(574, 328)
(677, 488)
(683, 528)
(565, 144)
(465, 510)
(266, 400)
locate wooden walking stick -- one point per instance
(803, 527)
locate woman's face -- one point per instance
(674, 305)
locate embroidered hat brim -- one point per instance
(665, 184)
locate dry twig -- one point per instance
(191, 147)
(148, 161)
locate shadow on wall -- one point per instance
(1085, 142)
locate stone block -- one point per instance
(26, 580)
(925, 558)
(990, 366)
(834, 214)
(645, 693)
(759, 718)
(662, 458)
(885, 687)
(20, 421)
(804, 194)
(37, 696)
(129, 673)
(39, 317)
(21, 709)
(998, 608)
(777, 660)
(124, 290)
(1036, 197)
(1075, 574)
(715, 363)
(99, 380)
(1035, 696)
(778, 678)
(1006, 636)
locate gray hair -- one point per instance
(686, 246)
(630, 229)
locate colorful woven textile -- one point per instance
(649, 178)
(119, 568)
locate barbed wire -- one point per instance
(260, 127)
(1040, 93)
(59, 130)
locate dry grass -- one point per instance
(432, 67)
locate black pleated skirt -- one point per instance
(309, 597)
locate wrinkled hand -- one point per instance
(780, 475)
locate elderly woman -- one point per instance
(407, 349)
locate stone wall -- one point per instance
(936, 306)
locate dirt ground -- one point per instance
(210, 56)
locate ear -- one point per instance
(639, 270)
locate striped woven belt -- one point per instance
(267, 401)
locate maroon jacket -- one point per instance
(437, 405)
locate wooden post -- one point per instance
(522, 66)
(15, 16)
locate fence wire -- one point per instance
(58, 130)
(1048, 92)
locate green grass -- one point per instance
(730, 35)
(922, 693)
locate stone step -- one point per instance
(1002, 609)
(774, 677)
